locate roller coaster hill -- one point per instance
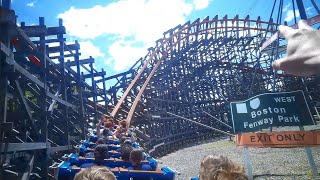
(178, 94)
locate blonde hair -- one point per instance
(221, 168)
(95, 173)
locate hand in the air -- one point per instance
(303, 51)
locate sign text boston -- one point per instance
(271, 109)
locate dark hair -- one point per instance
(108, 124)
(128, 142)
(136, 157)
(104, 117)
(123, 124)
(105, 132)
(101, 141)
(100, 153)
(122, 138)
(111, 121)
(125, 152)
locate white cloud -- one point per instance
(87, 48)
(123, 53)
(126, 18)
(200, 4)
(290, 15)
(31, 4)
(131, 22)
(285, 9)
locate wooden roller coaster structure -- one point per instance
(50, 97)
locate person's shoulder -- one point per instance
(146, 167)
(86, 165)
(130, 168)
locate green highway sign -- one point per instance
(271, 109)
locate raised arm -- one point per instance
(303, 51)
(98, 127)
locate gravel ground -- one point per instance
(267, 163)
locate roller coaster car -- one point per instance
(111, 154)
(67, 171)
(84, 149)
(74, 159)
(87, 147)
(94, 138)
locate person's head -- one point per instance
(220, 168)
(95, 173)
(100, 153)
(125, 152)
(123, 124)
(100, 141)
(111, 119)
(108, 124)
(127, 142)
(122, 138)
(136, 157)
(104, 118)
(105, 132)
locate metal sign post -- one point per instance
(279, 140)
(310, 158)
(247, 159)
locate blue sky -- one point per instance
(117, 33)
